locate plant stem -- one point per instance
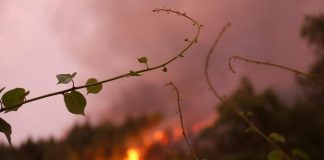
(181, 121)
(232, 107)
(309, 76)
(179, 54)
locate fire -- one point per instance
(133, 154)
(161, 137)
(158, 136)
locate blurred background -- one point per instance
(137, 116)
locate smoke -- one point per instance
(103, 38)
(108, 36)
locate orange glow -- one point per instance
(132, 154)
(201, 125)
(177, 133)
(158, 136)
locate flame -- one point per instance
(158, 135)
(133, 154)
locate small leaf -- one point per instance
(65, 78)
(275, 155)
(164, 69)
(75, 102)
(5, 128)
(14, 97)
(276, 137)
(73, 74)
(2, 89)
(26, 93)
(300, 154)
(93, 89)
(142, 60)
(132, 73)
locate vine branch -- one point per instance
(300, 73)
(181, 120)
(178, 55)
(232, 107)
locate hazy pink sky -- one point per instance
(103, 38)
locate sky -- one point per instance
(102, 38)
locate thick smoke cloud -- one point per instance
(103, 38)
(108, 36)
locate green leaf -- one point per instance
(5, 128)
(93, 89)
(164, 69)
(275, 155)
(276, 137)
(142, 60)
(14, 97)
(2, 89)
(300, 154)
(75, 102)
(74, 74)
(65, 78)
(132, 73)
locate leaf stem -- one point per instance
(73, 84)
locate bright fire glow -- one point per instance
(161, 137)
(158, 135)
(133, 154)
